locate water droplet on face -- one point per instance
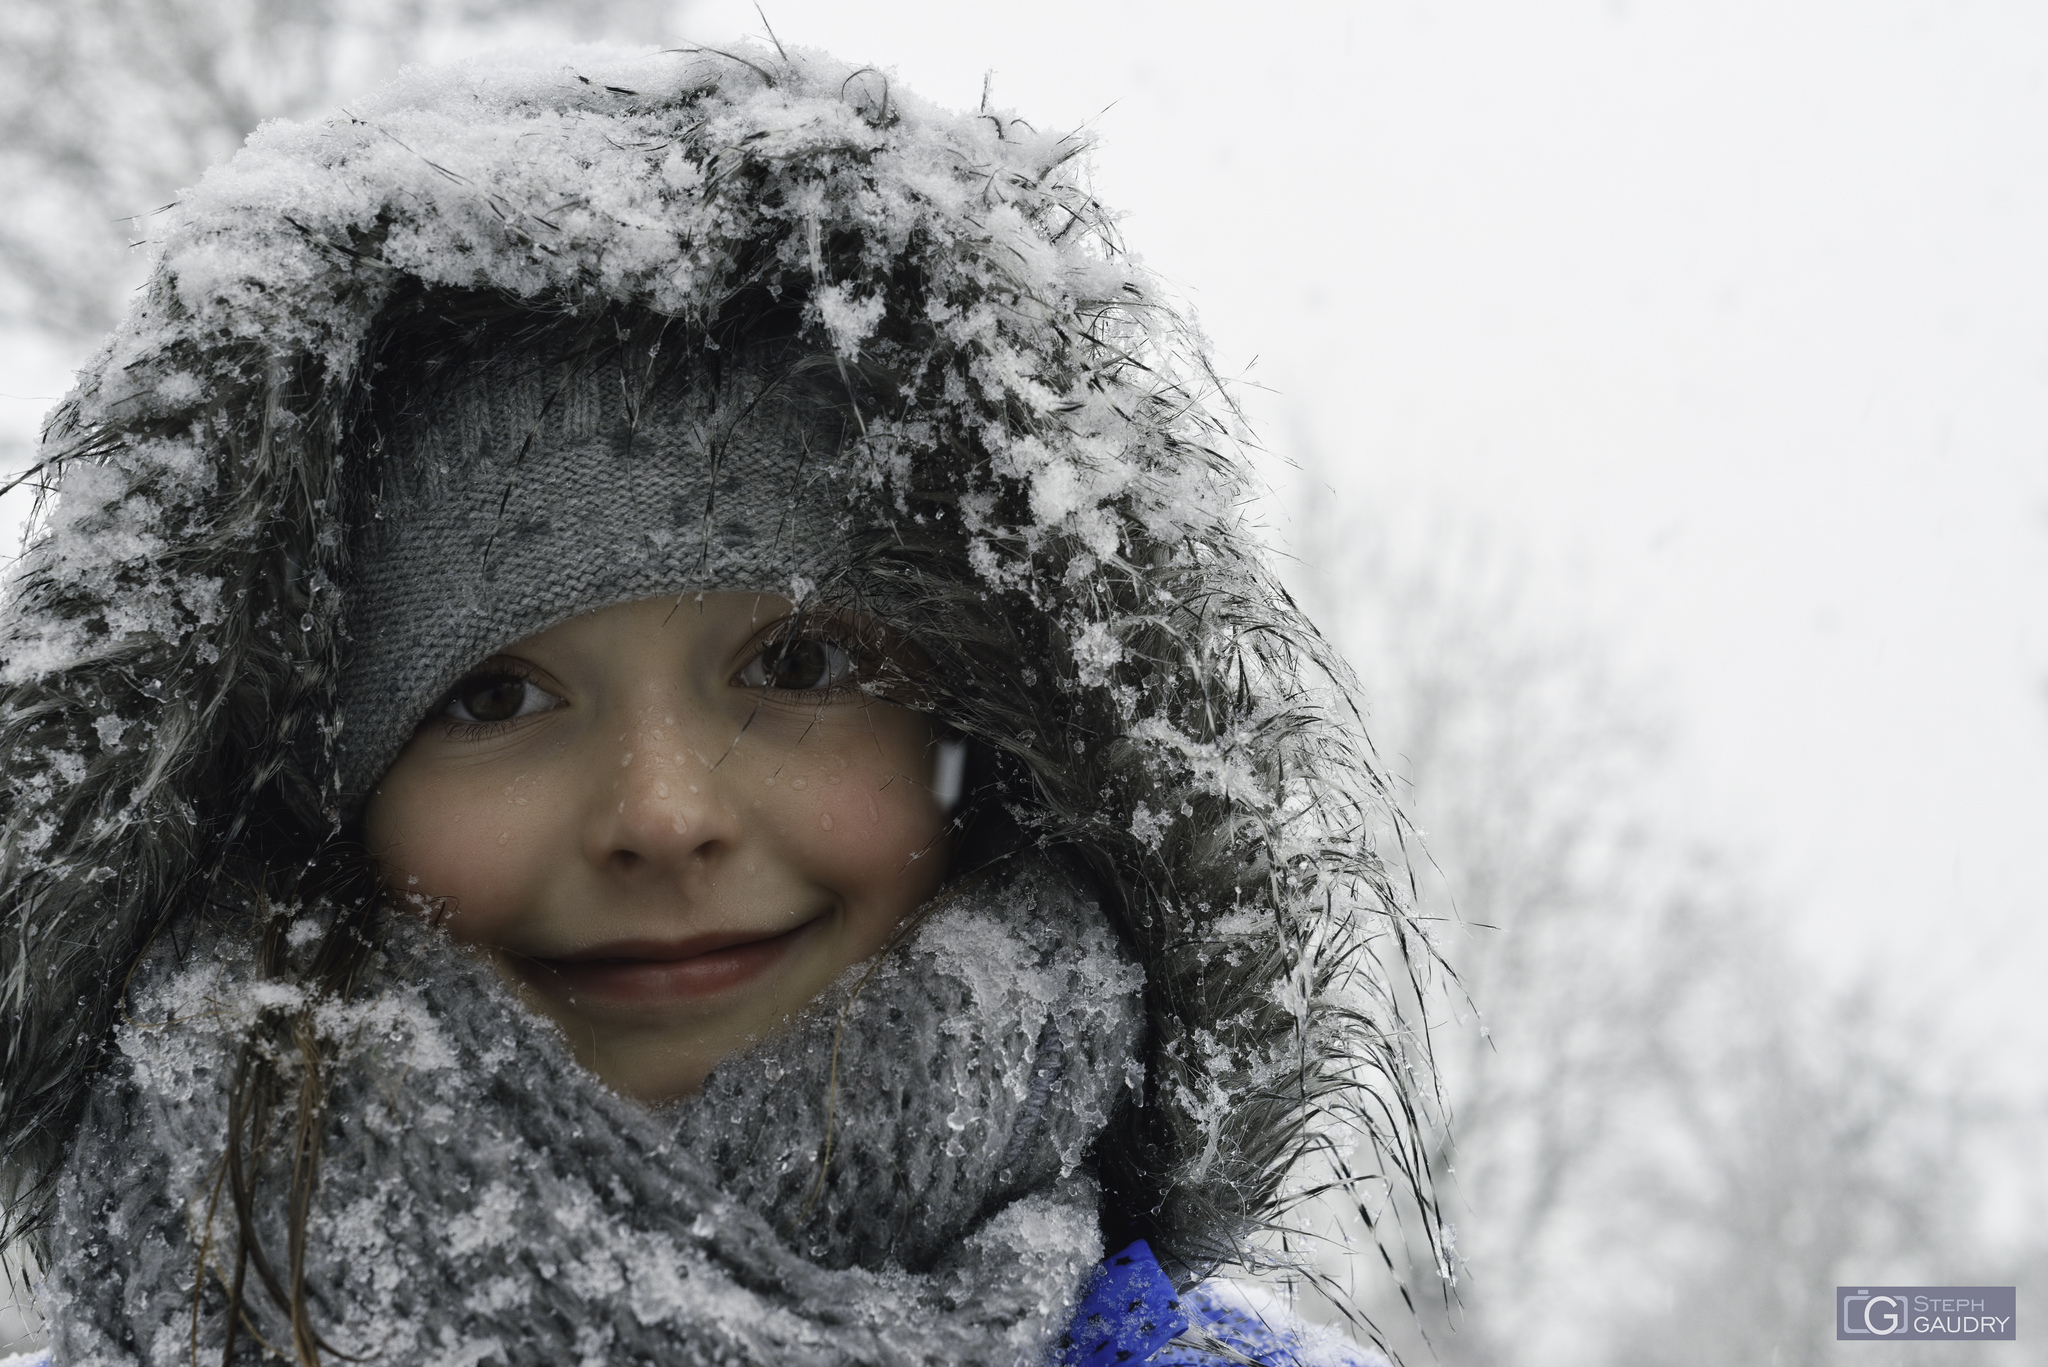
(797, 784)
(504, 836)
(682, 826)
(626, 759)
(826, 821)
(661, 790)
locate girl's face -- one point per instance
(671, 823)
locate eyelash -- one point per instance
(849, 661)
(459, 729)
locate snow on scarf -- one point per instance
(483, 1198)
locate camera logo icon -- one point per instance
(1866, 1314)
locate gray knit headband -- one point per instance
(529, 491)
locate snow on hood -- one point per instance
(169, 646)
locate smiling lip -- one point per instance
(658, 972)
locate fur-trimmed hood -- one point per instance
(1064, 537)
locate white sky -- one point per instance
(1730, 315)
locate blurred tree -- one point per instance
(109, 107)
(1673, 1138)
(1575, 925)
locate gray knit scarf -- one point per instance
(482, 1198)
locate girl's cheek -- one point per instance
(875, 833)
(465, 853)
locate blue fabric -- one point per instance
(1127, 1314)
(1130, 1311)
(1269, 1342)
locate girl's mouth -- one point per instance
(643, 973)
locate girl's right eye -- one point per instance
(484, 699)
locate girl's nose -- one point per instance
(662, 811)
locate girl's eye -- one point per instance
(807, 664)
(487, 698)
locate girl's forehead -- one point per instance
(680, 621)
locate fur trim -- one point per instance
(1065, 542)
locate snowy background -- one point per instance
(1655, 400)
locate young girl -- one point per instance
(645, 728)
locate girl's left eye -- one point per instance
(483, 699)
(807, 664)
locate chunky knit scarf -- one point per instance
(900, 1177)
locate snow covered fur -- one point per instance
(1048, 506)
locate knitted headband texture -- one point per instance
(529, 491)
